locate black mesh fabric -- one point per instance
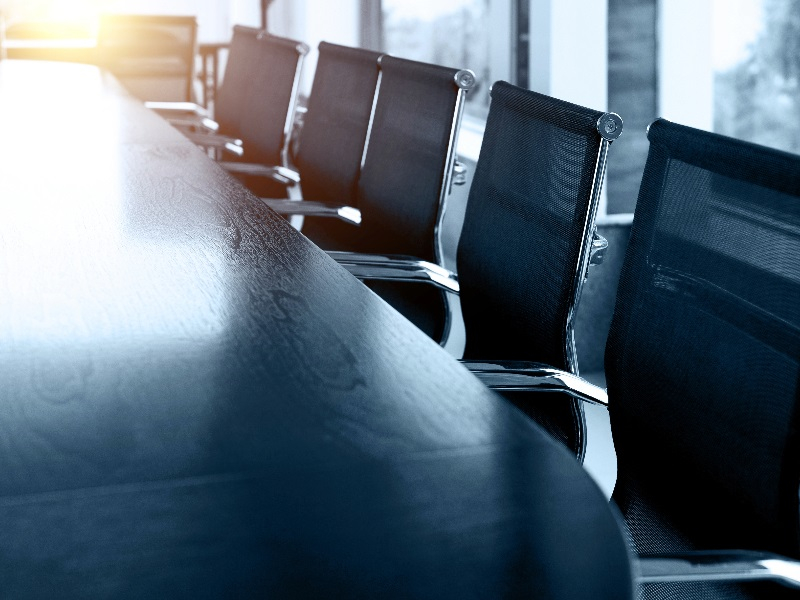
(269, 99)
(152, 55)
(405, 165)
(523, 228)
(230, 97)
(519, 250)
(401, 182)
(703, 356)
(332, 139)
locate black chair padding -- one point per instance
(519, 250)
(270, 99)
(331, 142)
(401, 183)
(523, 228)
(703, 356)
(232, 92)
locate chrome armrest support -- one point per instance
(396, 268)
(314, 209)
(535, 377)
(177, 107)
(735, 565)
(597, 253)
(281, 174)
(192, 121)
(208, 140)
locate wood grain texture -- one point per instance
(197, 402)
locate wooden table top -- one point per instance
(197, 402)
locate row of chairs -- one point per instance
(703, 356)
(377, 147)
(377, 150)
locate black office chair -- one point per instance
(151, 55)
(255, 103)
(330, 144)
(406, 177)
(702, 364)
(703, 357)
(525, 246)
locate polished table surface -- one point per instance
(198, 402)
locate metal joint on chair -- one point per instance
(234, 147)
(597, 253)
(209, 124)
(459, 173)
(609, 126)
(465, 79)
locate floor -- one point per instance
(601, 460)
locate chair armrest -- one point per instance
(177, 107)
(536, 377)
(307, 208)
(281, 174)
(396, 268)
(194, 121)
(720, 566)
(597, 253)
(209, 140)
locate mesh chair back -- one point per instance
(409, 156)
(405, 178)
(152, 55)
(331, 142)
(242, 62)
(269, 104)
(335, 125)
(703, 357)
(523, 247)
(529, 215)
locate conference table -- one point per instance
(195, 401)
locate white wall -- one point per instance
(215, 17)
(571, 64)
(313, 21)
(685, 63)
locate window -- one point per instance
(757, 71)
(470, 34)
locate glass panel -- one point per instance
(445, 32)
(757, 71)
